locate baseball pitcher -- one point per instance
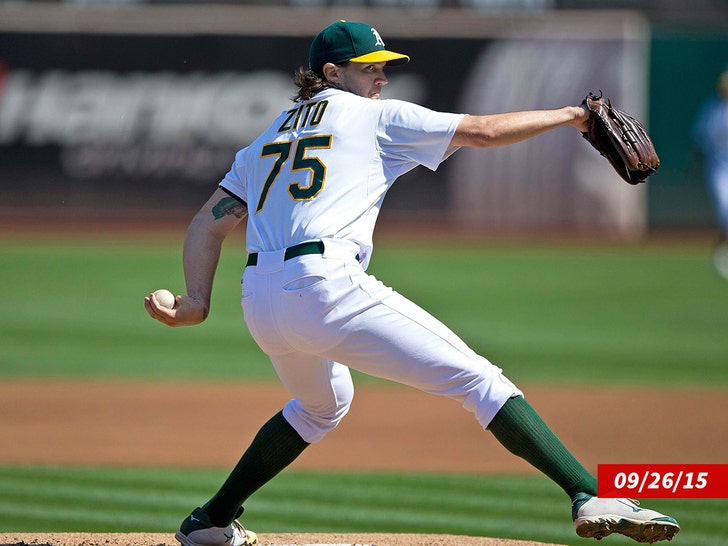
(311, 187)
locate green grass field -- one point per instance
(42, 499)
(576, 314)
(558, 314)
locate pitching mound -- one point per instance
(158, 539)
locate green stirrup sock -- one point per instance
(276, 445)
(522, 432)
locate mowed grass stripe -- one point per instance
(632, 312)
(59, 499)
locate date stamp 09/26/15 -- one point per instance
(703, 481)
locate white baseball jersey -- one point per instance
(320, 173)
(321, 170)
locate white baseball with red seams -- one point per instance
(165, 298)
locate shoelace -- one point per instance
(239, 527)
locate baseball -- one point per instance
(164, 297)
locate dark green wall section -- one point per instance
(685, 64)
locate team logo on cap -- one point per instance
(379, 41)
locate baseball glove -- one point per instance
(621, 139)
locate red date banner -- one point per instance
(705, 481)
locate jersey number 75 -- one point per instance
(301, 162)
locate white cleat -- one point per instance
(597, 518)
(197, 530)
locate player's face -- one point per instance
(365, 80)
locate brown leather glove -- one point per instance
(621, 139)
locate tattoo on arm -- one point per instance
(227, 206)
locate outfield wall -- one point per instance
(144, 107)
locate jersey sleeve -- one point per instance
(414, 135)
(235, 183)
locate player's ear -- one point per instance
(331, 72)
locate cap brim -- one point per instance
(382, 56)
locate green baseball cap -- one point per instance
(348, 41)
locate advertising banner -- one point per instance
(122, 120)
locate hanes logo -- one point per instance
(103, 107)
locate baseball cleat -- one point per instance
(595, 517)
(198, 530)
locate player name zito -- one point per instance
(298, 118)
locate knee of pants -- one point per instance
(313, 423)
(486, 400)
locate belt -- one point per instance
(312, 247)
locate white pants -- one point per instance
(317, 316)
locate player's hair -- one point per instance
(310, 82)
